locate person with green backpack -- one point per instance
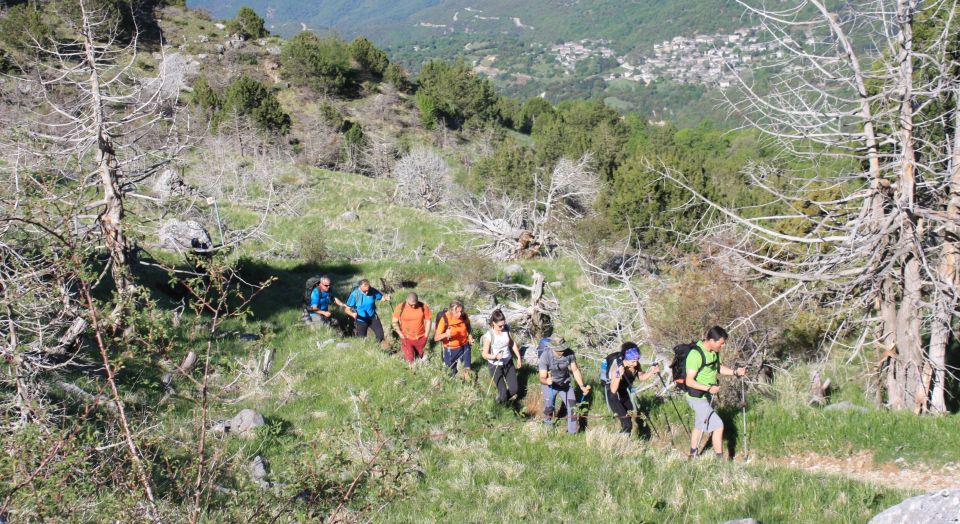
(702, 372)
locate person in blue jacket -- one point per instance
(362, 306)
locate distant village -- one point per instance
(711, 60)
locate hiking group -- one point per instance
(696, 367)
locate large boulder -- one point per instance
(184, 236)
(938, 507)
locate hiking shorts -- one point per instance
(705, 418)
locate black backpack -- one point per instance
(309, 287)
(678, 367)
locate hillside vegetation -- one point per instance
(167, 193)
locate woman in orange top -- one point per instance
(453, 331)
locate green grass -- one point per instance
(461, 457)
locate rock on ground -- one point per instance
(938, 507)
(245, 422)
(184, 235)
(167, 184)
(349, 216)
(742, 521)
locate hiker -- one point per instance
(624, 371)
(453, 332)
(557, 363)
(497, 345)
(411, 322)
(318, 304)
(703, 368)
(362, 307)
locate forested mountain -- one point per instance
(515, 43)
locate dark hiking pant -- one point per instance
(621, 405)
(505, 377)
(453, 356)
(374, 324)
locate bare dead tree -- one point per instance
(508, 228)
(872, 233)
(423, 179)
(88, 112)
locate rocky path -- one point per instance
(897, 475)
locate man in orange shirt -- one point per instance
(411, 321)
(453, 330)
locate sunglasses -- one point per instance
(500, 324)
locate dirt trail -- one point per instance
(862, 467)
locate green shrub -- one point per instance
(247, 24)
(368, 56)
(397, 76)
(428, 109)
(21, 26)
(320, 63)
(246, 96)
(313, 247)
(459, 94)
(354, 134)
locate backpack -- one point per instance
(678, 367)
(608, 363)
(308, 289)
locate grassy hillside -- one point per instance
(457, 456)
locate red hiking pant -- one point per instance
(413, 348)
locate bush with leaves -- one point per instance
(247, 97)
(247, 24)
(22, 28)
(369, 57)
(428, 109)
(459, 94)
(321, 63)
(397, 76)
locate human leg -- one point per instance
(570, 398)
(617, 407)
(418, 346)
(465, 356)
(513, 387)
(548, 407)
(377, 328)
(360, 328)
(406, 346)
(497, 376)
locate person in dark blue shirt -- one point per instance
(362, 306)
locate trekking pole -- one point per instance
(675, 408)
(636, 406)
(743, 406)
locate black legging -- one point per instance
(505, 377)
(375, 325)
(620, 404)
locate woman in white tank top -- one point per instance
(497, 348)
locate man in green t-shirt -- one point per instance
(702, 382)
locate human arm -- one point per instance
(730, 372)
(579, 378)
(485, 344)
(544, 376)
(516, 351)
(646, 375)
(351, 304)
(616, 376)
(440, 335)
(395, 322)
(692, 383)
